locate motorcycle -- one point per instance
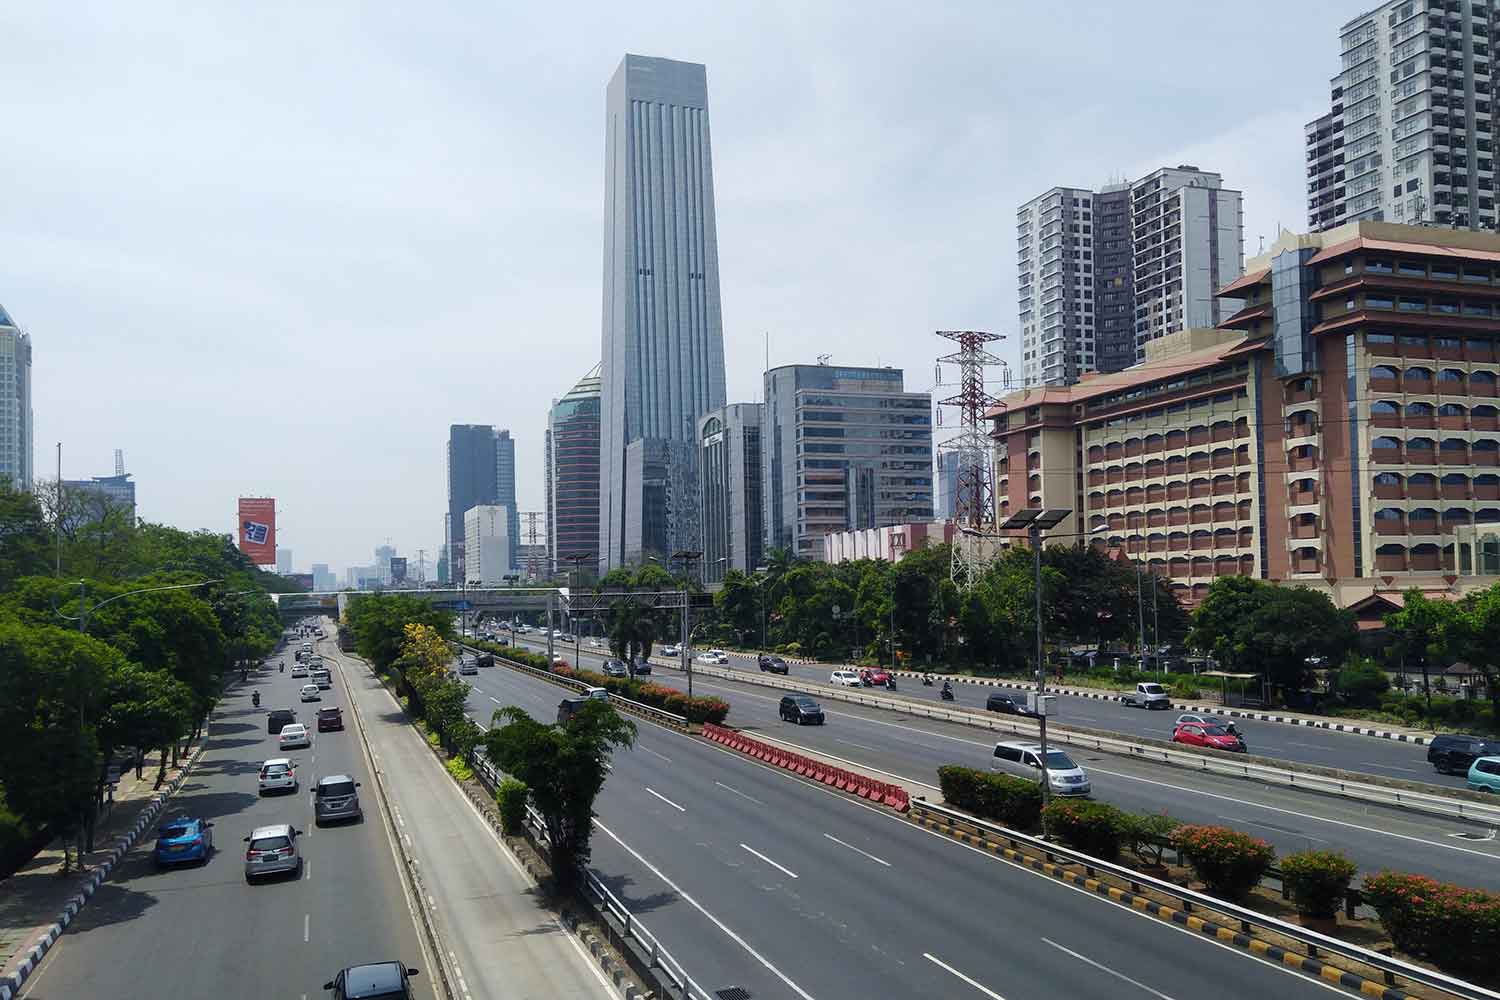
(255, 699)
(947, 694)
(926, 681)
(890, 684)
(281, 667)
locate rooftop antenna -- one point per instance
(119, 461)
(823, 359)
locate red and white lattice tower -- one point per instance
(974, 501)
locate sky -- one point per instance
(275, 249)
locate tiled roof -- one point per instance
(1243, 282)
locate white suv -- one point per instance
(845, 678)
(278, 774)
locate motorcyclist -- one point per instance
(255, 699)
(890, 682)
(281, 666)
(947, 691)
(927, 680)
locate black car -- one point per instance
(1453, 753)
(644, 667)
(383, 980)
(801, 709)
(1006, 705)
(774, 665)
(278, 718)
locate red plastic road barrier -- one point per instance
(857, 784)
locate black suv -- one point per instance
(277, 718)
(382, 980)
(774, 665)
(1006, 705)
(801, 709)
(1452, 753)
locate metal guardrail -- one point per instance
(1316, 942)
(649, 712)
(1274, 775)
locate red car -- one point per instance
(1197, 734)
(330, 719)
(873, 677)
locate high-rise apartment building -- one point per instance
(663, 339)
(505, 485)
(842, 448)
(572, 475)
(729, 473)
(15, 404)
(1101, 274)
(323, 580)
(488, 546)
(1410, 134)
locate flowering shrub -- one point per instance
(1095, 828)
(1014, 802)
(1148, 834)
(1318, 881)
(714, 710)
(1457, 929)
(1228, 862)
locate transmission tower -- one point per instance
(974, 499)
(533, 564)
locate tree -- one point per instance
(1274, 630)
(738, 605)
(632, 631)
(564, 766)
(24, 541)
(1475, 632)
(1423, 630)
(378, 622)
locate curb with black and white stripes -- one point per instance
(10, 984)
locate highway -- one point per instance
(911, 749)
(758, 880)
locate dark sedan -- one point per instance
(1006, 705)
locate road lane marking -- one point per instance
(1105, 968)
(306, 927)
(306, 870)
(768, 861)
(661, 755)
(854, 744)
(978, 986)
(668, 801)
(739, 793)
(856, 850)
(1273, 826)
(1392, 767)
(700, 908)
(497, 701)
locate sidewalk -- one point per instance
(32, 899)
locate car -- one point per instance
(330, 719)
(1024, 760)
(376, 981)
(672, 650)
(1196, 734)
(719, 655)
(569, 707)
(1148, 695)
(335, 797)
(183, 838)
(773, 665)
(1484, 775)
(596, 694)
(874, 677)
(557, 658)
(997, 701)
(1455, 753)
(311, 692)
(845, 678)
(272, 851)
(299, 670)
(294, 735)
(468, 667)
(595, 644)
(643, 667)
(802, 710)
(615, 668)
(279, 718)
(278, 774)
(322, 678)
(710, 657)
(1206, 719)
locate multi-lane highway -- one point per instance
(912, 748)
(761, 881)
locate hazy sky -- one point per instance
(276, 249)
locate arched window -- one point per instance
(1423, 374)
(1388, 514)
(1154, 442)
(1420, 444)
(1419, 409)
(1426, 516)
(1384, 371)
(1487, 515)
(1455, 479)
(1450, 378)
(1452, 410)
(1381, 479)
(1481, 378)
(1455, 515)
(1384, 408)
(1484, 410)
(1454, 445)
(1385, 441)
(1486, 444)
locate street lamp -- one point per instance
(1035, 521)
(577, 559)
(687, 559)
(761, 578)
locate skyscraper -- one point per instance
(663, 338)
(505, 487)
(15, 403)
(731, 485)
(1410, 132)
(474, 477)
(572, 474)
(283, 561)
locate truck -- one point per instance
(1148, 695)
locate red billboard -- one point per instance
(257, 531)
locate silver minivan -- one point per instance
(336, 798)
(1023, 760)
(272, 851)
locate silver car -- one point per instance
(272, 850)
(335, 798)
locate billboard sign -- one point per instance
(257, 531)
(398, 569)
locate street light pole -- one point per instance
(760, 582)
(687, 559)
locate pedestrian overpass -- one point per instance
(532, 603)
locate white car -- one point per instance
(311, 692)
(295, 735)
(557, 658)
(595, 643)
(709, 657)
(673, 650)
(845, 678)
(278, 774)
(298, 670)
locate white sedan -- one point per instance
(711, 657)
(845, 678)
(311, 692)
(299, 670)
(671, 651)
(295, 735)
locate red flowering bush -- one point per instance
(1318, 881)
(1457, 929)
(1095, 828)
(1228, 862)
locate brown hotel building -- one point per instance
(1340, 431)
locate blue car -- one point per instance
(1484, 775)
(183, 839)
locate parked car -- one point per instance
(335, 797)
(278, 774)
(1206, 719)
(1024, 760)
(801, 709)
(845, 678)
(311, 692)
(294, 735)
(299, 670)
(615, 668)
(272, 851)
(1147, 695)
(1196, 734)
(279, 718)
(377, 981)
(1484, 775)
(773, 664)
(874, 677)
(1455, 753)
(330, 719)
(997, 701)
(181, 839)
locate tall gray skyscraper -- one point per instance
(505, 489)
(663, 337)
(15, 400)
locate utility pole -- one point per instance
(687, 559)
(974, 506)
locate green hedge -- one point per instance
(1317, 881)
(1228, 862)
(1457, 929)
(511, 798)
(700, 710)
(1095, 828)
(1014, 802)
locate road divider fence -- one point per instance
(835, 777)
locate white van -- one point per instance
(1023, 760)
